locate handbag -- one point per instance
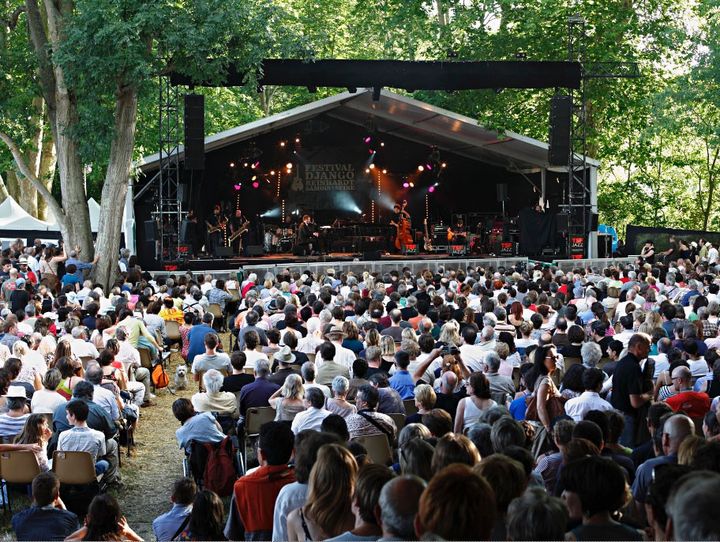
(555, 405)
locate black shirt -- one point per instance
(627, 381)
(234, 383)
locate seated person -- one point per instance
(47, 518)
(13, 421)
(202, 427)
(214, 400)
(80, 438)
(167, 526)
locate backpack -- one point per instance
(220, 473)
(160, 378)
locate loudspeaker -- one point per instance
(502, 192)
(560, 121)
(223, 252)
(255, 250)
(371, 255)
(592, 222)
(194, 131)
(604, 245)
(562, 221)
(151, 231)
(184, 227)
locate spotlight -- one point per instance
(382, 143)
(254, 178)
(412, 185)
(256, 184)
(428, 167)
(421, 168)
(232, 164)
(297, 140)
(245, 164)
(282, 143)
(237, 186)
(367, 170)
(367, 140)
(256, 164)
(372, 166)
(443, 164)
(431, 189)
(288, 165)
(406, 185)
(272, 172)
(384, 171)
(436, 184)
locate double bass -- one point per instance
(404, 233)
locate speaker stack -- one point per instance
(560, 122)
(194, 132)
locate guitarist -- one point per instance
(216, 224)
(398, 216)
(238, 231)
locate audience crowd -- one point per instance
(456, 404)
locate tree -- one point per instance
(94, 58)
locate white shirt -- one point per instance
(251, 356)
(344, 356)
(311, 418)
(290, 497)
(661, 364)
(624, 336)
(698, 367)
(713, 256)
(128, 355)
(473, 356)
(46, 402)
(81, 348)
(322, 387)
(577, 407)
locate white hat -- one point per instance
(16, 391)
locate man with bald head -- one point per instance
(693, 403)
(446, 398)
(676, 428)
(398, 506)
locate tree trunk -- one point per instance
(114, 190)
(3, 190)
(48, 164)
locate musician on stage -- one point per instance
(457, 235)
(237, 237)
(216, 225)
(399, 217)
(307, 237)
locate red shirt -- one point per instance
(693, 403)
(256, 493)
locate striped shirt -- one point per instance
(11, 426)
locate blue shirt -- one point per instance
(518, 408)
(202, 427)
(402, 382)
(166, 525)
(643, 475)
(256, 394)
(196, 341)
(80, 266)
(44, 523)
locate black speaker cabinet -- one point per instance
(224, 252)
(371, 255)
(151, 231)
(502, 192)
(560, 122)
(194, 131)
(255, 250)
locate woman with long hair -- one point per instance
(545, 358)
(71, 372)
(37, 431)
(207, 519)
(515, 315)
(328, 509)
(387, 348)
(478, 400)
(62, 350)
(450, 334)
(104, 521)
(288, 400)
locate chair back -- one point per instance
(569, 362)
(248, 370)
(399, 419)
(145, 358)
(234, 293)
(255, 417)
(215, 310)
(311, 356)
(74, 467)
(172, 329)
(19, 467)
(410, 407)
(377, 447)
(516, 378)
(86, 360)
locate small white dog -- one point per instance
(181, 380)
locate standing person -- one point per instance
(306, 242)
(216, 224)
(628, 396)
(400, 217)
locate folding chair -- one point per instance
(173, 332)
(18, 468)
(410, 407)
(378, 448)
(78, 482)
(219, 320)
(86, 360)
(255, 418)
(399, 419)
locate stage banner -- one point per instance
(637, 235)
(334, 179)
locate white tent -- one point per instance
(14, 217)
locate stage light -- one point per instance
(406, 185)
(382, 143)
(256, 184)
(297, 140)
(237, 186)
(232, 164)
(272, 172)
(256, 164)
(431, 189)
(367, 170)
(421, 168)
(282, 143)
(436, 184)
(372, 166)
(367, 140)
(443, 164)
(245, 164)
(254, 177)
(412, 185)
(428, 167)
(384, 171)
(289, 165)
